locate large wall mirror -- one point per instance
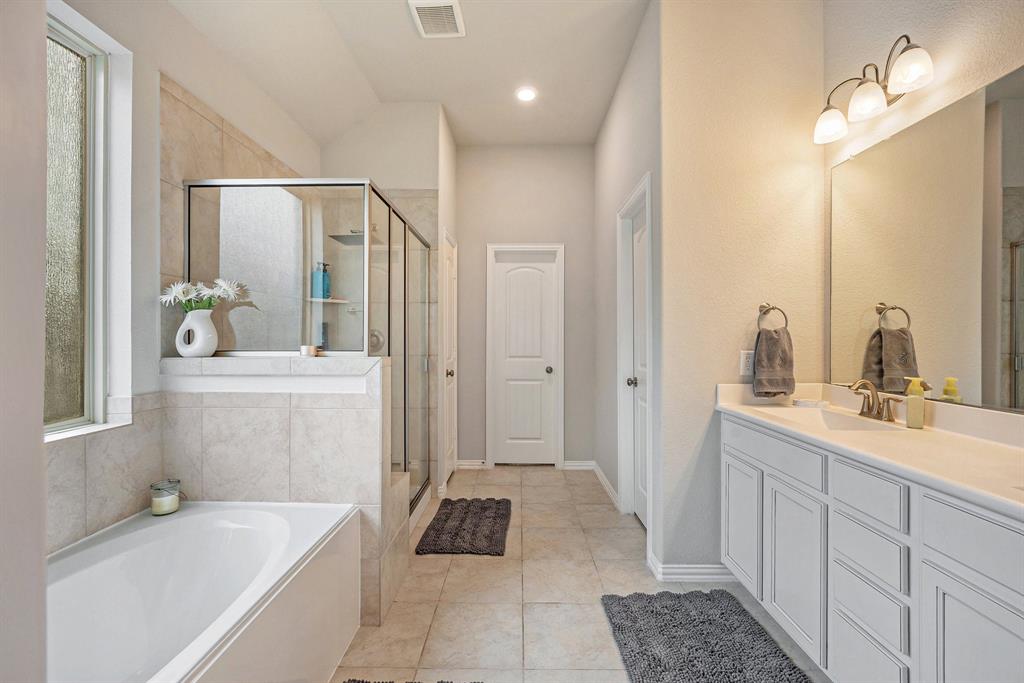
(927, 252)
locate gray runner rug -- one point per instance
(353, 680)
(470, 526)
(695, 637)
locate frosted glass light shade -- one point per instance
(830, 127)
(912, 70)
(867, 100)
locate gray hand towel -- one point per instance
(773, 363)
(890, 357)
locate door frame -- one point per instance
(639, 199)
(559, 394)
(444, 474)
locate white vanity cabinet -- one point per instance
(878, 577)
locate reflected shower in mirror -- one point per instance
(926, 253)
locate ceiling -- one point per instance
(329, 62)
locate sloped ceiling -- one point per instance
(329, 62)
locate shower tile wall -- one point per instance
(420, 208)
(196, 142)
(1013, 231)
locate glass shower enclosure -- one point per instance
(327, 262)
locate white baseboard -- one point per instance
(442, 489)
(470, 465)
(596, 469)
(697, 573)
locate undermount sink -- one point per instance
(829, 420)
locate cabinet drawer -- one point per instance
(802, 464)
(993, 549)
(880, 556)
(878, 496)
(885, 615)
(854, 657)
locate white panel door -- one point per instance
(641, 387)
(524, 379)
(450, 341)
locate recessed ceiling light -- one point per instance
(526, 94)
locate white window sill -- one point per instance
(114, 422)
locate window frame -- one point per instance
(97, 136)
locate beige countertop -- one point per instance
(987, 473)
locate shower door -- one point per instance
(417, 398)
(1016, 360)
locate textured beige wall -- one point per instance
(22, 223)
(628, 146)
(525, 194)
(907, 230)
(741, 223)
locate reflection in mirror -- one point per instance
(930, 220)
(299, 249)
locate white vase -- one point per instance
(204, 335)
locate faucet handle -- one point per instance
(888, 412)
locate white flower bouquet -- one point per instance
(200, 297)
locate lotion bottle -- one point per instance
(951, 391)
(915, 403)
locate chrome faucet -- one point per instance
(873, 406)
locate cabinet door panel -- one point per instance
(967, 636)
(795, 564)
(741, 521)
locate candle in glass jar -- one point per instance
(164, 503)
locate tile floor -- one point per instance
(534, 615)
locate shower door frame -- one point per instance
(1016, 353)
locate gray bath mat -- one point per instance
(470, 526)
(695, 637)
(353, 680)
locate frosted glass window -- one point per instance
(66, 292)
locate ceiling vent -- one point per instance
(438, 18)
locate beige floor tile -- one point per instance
(425, 578)
(550, 515)
(622, 577)
(372, 674)
(500, 475)
(580, 478)
(590, 495)
(463, 478)
(574, 676)
(568, 637)
(547, 494)
(470, 675)
(428, 515)
(398, 642)
(474, 636)
(543, 476)
(513, 493)
(460, 491)
(514, 544)
(488, 581)
(566, 581)
(617, 544)
(605, 517)
(517, 515)
(555, 544)
(414, 537)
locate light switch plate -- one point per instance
(746, 363)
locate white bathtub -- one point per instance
(215, 592)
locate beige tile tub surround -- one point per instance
(330, 445)
(556, 630)
(532, 616)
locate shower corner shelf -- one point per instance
(328, 301)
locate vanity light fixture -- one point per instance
(873, 95)
(526, 94)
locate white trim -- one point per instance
(596, 469)
(698, 573)
(442, 308)
(559, 362)
(624, 356)
(579, 465)
(471, 465)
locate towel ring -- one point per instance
(881, 309)
(766, 308)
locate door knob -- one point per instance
(632, 381)
(549, 369)
(449, 373)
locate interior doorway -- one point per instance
(634, 316)
(525, 369)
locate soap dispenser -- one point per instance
(951, 391)
(316, 282)
(325, 285)
(915, 403)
